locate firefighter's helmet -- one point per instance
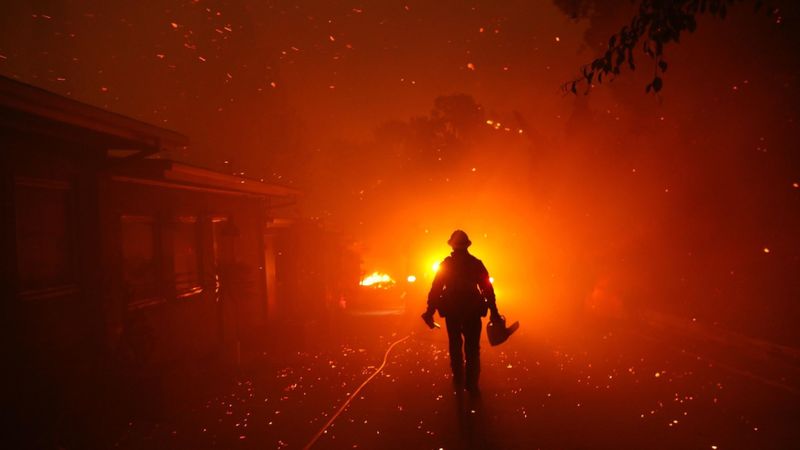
(459, 240)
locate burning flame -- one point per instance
(376, 278)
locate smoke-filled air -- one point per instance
(235, 224)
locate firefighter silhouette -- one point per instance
(462, 293)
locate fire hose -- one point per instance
(353, 395)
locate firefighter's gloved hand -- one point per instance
(427, 317)
(496, 317)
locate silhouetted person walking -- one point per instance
(462, 293)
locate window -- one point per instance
(186, 256)
(223, 232)
(46, 231)
(139, 258)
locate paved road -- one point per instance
(593, 389)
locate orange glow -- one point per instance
(233, 232)
(376, 278)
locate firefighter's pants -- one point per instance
(464, 334)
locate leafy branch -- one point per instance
(656, 24)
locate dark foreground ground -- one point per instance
(588, 389)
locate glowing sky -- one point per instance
(675, 193)
(342, 66)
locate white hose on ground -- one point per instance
(353, 395)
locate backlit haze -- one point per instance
(401, 121)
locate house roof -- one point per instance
(29, 108)
(173, 172)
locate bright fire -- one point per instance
(376, 278)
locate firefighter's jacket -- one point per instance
(461, 287)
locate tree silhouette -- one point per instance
(655, 24)
(438, 139)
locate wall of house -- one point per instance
(112, 288)
(185, 272)
(51, 304)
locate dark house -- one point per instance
(121, 271)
